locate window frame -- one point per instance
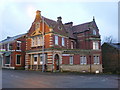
(83, 60)
(17, 59)
(35, 62)
(56, 40)
(63, 41)
(95, 45)
(71, 60)
(96, 59)
(94, 32)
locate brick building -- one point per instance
(63, 47)
(12, 52)
(111, 57)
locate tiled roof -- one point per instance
(84, 27)
(81, 27)
(50, 22)
(67, 30)
(11, 38)
(115, 45)
(70, 31)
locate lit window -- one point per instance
(63, 41)
(56, 40)
(71, 60)
(96, 60)
(83, 60)
(94, 32)
(95, 45)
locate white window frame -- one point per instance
(63, 41)
(18, 42)
(72, 44)
(94, 32)
(95, 45)
(71, 60)
(16, 59)
(35, 62)
(83, 60)
(96, 59)
(56, 40)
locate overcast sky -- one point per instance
(17, 17)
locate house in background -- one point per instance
(63, 47)
(12, 52)
(111, 57)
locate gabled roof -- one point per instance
(9, 39)
(115, 45)
(67, 30)
(84, 27)
(50, 22)
(81, 27)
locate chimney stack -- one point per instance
(38, 13)
(59, 19)
(69, 23)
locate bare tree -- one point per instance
(109, 39)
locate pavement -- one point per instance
(37, 79)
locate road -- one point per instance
(37, 79)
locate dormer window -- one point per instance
(94, 32)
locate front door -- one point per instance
(56, 62)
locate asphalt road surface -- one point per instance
(37, 79)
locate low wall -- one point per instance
(82, 68)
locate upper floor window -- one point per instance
(63, 41)
(37, 41)
(10, 46)
(96, 60)
(72, 44)
(56, 40)
(95, 45)
(94, 32)
(37, 25)
(83, 60)
(18, 45)
(71, 59)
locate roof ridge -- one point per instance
(83, 23)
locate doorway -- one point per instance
(56, 62)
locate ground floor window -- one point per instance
(35, 59)
(96, 60)
(83, 60)
(71, 59)
(18, 59)
(7, 60)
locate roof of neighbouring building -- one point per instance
(9, 39)
(114, 45)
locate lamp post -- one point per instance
(43, 57)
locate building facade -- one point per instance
(111, 57)
(55, 46)
(12, 52)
